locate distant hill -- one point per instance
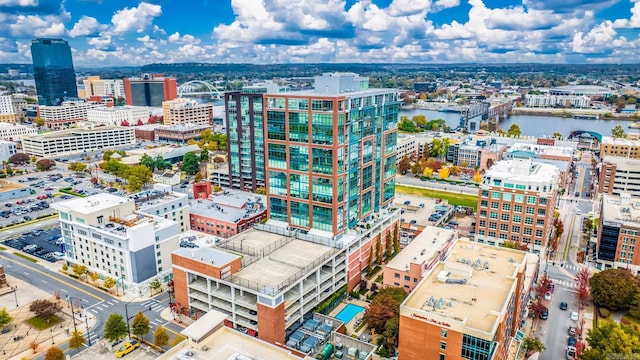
(23, 68)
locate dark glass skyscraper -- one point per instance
(53, 71)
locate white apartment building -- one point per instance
(15, 132)
(7, 148)
(407, 146)
(186, 111)
(65, 115)
(78, 140)
(94, 86)
(163, 202)
(7, 113)
(114, 116)
(557, 101)
(108, 235)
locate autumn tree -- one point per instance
(514, 131)
(79, 270)
(533, 345)
(419, 120)
(582, 278)
(45, 164)
(38, 122)
(384, 307)
(613, 288)
(140, 325)
(404, 165)
(19, 158)
(109, 283)
(77, 340)
(161, 337)
(155, 285)
(558, 225)
(388, 245)
(611, 338)
(94, 276)
(396, 239)
(54, 353)
(618, 132)
(372, 256)
(77, 166)
(536, 308)
(44, 309)
(477, 177)
(443, 173)
(427, 172)
(115, 329)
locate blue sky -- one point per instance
(117, 32)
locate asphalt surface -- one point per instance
(86, 298)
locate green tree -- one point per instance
(514, 131)
(611, 338)
(204, 155)
(161, 337)
(618, 132)
(613, 288)
(77, 340)
(396, 239)
(160, 163)
(190, 163)
(634, 309)
(140, 325)
(107, 154)
(54, 353)
(155, 285)
(419, 120)
(407, 126)
(5, 318)
(38, 122)
(389, 245)
(115, 329)
(533, 345)
(557, 135)
(141, 175)
(379, 249)
(115, 167)
(147, 161)
(77, 166)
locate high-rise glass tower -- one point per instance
(330, 153)
(245, 134)
(53, 71)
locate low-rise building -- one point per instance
(564, 101)
(118, 115)
(15, 132)
(12, 190)
(225, 213)
(179, 134)
(66, 115)
(172, 154)
(94, 86)
(78, 140)
(619, 232)
(166, 177)
(628, 147)
(468, 306)
(427, 249)
(108, 235)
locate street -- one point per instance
(87, 299)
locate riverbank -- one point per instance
(567, 113)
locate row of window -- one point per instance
(518, 198)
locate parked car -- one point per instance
(571, 353)
(544, 315)
(127, 347)
(574, 316)
(29, 248)
(547, 295)
(563, 306)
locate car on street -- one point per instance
(572, 331)
(571, 352)
(574, 316)
(572, 341)
(547, 295)
(127, 347)
(544, 315)
(563, 306)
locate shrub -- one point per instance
(604, 312)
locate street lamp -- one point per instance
(73, 314)
(51, 332)
(15, 289)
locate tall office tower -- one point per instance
(330, 153)
(149, 90)
(516, 202)
(53, 71)
(245, 134)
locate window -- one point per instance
(540, 222)
(396, 275)
(504, 227)
(530, 210)
(504, 217)
(538, 233)
(495, 195)
(485, 193)
(494, 204)
(493, 225)
(443, 333)
(506, 207)
(507, 197)
(528, 221)
(542, 212)
(517, 218)
(531, 199)
(443, 345)
(519, 198)
(517, 208)
(483, 223)
(493, 215)
(515, 229)
(407, 278)
(527, 231)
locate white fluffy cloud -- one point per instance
(175, 38)
(135, 18)
(86, 26)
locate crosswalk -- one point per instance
(103, 306)
(156, 308)
(565, 283)
(566, 266)
(153, 314)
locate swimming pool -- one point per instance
(349, 312)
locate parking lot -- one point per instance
(46, 244)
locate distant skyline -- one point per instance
(120, 33)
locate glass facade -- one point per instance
(474, 348)
(338, 153)
(147, 93)
(53, 70)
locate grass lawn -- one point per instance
(28, 258)
(2, 248)
(452, 197)
(42, 324)
(632, 319)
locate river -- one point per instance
(532, 125)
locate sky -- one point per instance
(117, 32)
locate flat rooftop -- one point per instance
(608, 140)
(74, 132)
(229, 344)
(620, 160)
(228, 207)
(150, 198)
(418, 209)
(524, 171)
(480, 281)
(91, 204)
(207, 255)
(423, 248)
(622, 209)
